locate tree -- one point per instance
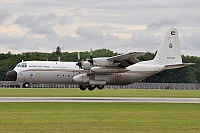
(189, 74)
(58, 51)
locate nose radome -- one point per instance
(12, 74)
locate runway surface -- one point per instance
(99, 99)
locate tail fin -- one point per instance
(169, 51)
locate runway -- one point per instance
(100, 99)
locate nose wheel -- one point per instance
(26, 85)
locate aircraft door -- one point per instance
(37, 77)
(115, 78)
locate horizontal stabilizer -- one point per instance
(178, 65)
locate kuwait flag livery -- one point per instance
(173, 33)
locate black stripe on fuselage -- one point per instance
(87, 71)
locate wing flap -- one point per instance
(126, 59)
(123, 57)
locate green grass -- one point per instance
(98, 93)
(99, 117)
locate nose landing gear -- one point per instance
(26, 85)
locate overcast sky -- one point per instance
(79, 25)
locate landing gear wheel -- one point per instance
(91, 88)
(100, 87)
(82, 87)
(26, 85)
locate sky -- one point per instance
(78, 25)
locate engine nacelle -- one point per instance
(106, 79)
(108, 70)
(84, 79)
(86, 65)
(81, 79)
(102, 62)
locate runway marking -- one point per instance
(100, 99)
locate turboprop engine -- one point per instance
(101, 62)
(86, 65)
(102, 79)
(88, 80)
(108, 70)
(81, 78)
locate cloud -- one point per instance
(196, 19)
(64, 20)
(41, 24)
(118, 25)
(4, 15)
(165, 21)
(89, 32)
(190, 42)
(11, 30)
(20, 43)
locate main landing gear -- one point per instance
(91, 87)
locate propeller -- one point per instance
(79, 63)
(91, 58)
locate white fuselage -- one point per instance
(63, 73)
(47, 72)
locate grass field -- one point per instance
(99, 117)
(98, 93)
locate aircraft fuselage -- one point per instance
(64, 73)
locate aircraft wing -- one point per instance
(126, 60)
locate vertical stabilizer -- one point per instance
(169, 51)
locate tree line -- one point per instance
(189, 74)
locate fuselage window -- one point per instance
(18, 65)
(22, 65)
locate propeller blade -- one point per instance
(91, 58)
(79, 63)
(78, 56)
(90, 52)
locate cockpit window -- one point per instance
(22, 65)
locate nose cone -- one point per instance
(12, 74)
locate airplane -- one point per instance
(98, 72)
